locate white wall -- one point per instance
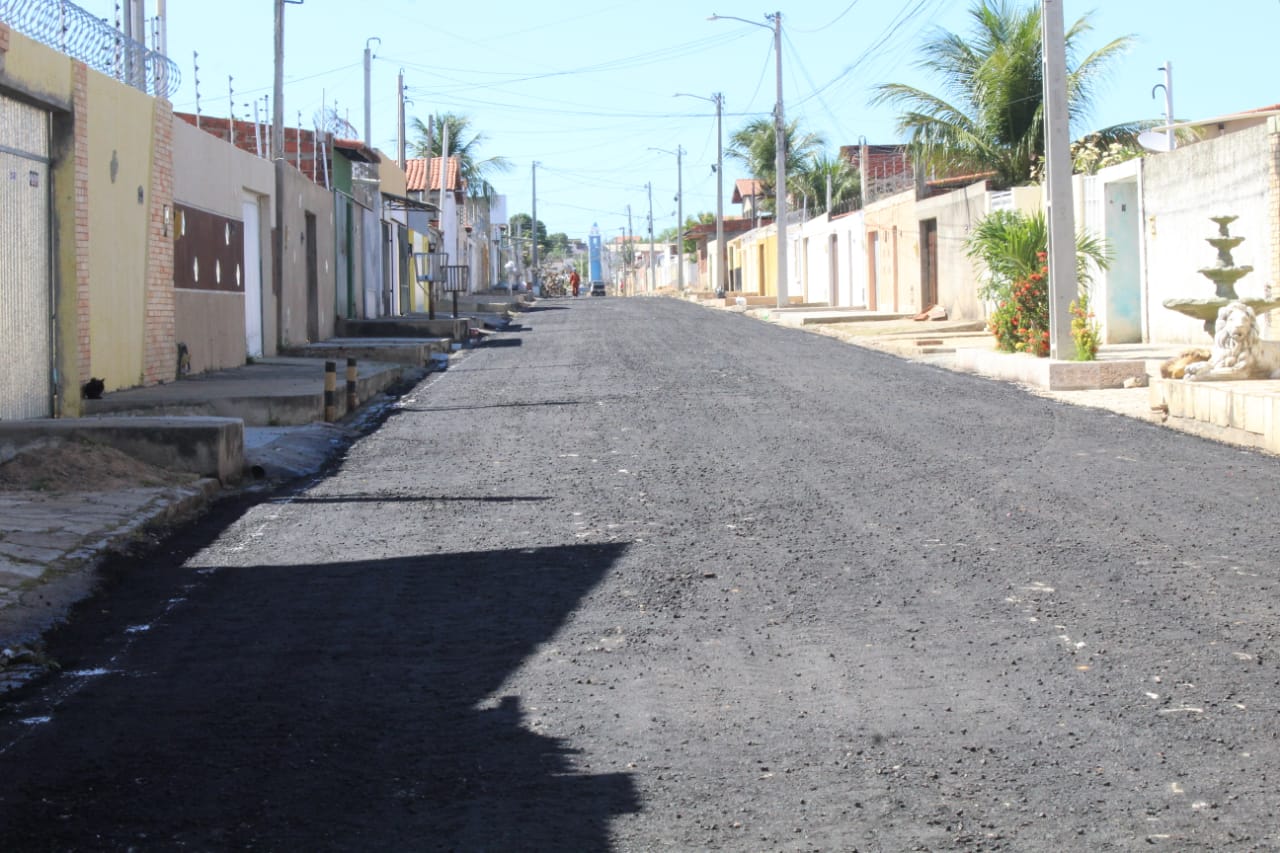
(1180, 190)
(814, 264)
(1108, 206)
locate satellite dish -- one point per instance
(1153, 141)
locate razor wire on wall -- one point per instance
(66, 27)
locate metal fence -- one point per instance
(70, 29)
(459, 280)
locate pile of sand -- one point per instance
(82, 466)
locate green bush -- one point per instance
(1012, 247)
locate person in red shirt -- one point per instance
(575, 281)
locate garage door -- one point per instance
(25, 302)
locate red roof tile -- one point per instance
(354, 149)
(744, 188)
(416, 175)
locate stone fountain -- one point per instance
(1224, 274)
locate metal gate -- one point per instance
(25, 302)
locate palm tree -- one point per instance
(990, 117)
(463, 144)
(754, 146)
(1012, 244)
(810, 181)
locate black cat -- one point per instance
(92, 390)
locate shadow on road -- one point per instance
(392, 499)
(535, 404)
(335, 706)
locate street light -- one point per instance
(717, 98)
(679, 152)
(779, 143)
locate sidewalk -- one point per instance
(1125, 379)
(67, 501)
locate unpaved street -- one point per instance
(644, 576)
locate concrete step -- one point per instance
(207, 446)
(408, 326)
(270, 392)
(413, 351)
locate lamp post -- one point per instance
(679, 152)
(780, 152)
(717, 98)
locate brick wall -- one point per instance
(160, 357)
(80, 108)
(4, 37)
(300, 146)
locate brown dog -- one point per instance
(1176, 367)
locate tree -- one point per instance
(558, 244)
(463, 144)
(327, 120)
(754, 145)
(522, 222)
(811, 181)
(668, 235)
(990, 115)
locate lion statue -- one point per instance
(1237, 349)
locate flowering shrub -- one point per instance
(1084, 329)
(1020, 322)
(1012, 249)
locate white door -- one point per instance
(252, 276)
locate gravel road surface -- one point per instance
(643, 576)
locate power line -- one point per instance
(833, 22)
(915, 13)
(641, 60)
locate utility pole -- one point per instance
(533, 227)
(680, 218)
(368, 75)
(277, 160)
(1057, 137)
(444, 182)
(864, 174)
(780, 165)
(400, 143)
(649, 187)
(630, 254)
(721, 257)
(717, 98)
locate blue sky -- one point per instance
(586, 89)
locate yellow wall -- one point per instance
(37, 70)
(120, 131)
(756, 255)
(417, 292)
(391, 177)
